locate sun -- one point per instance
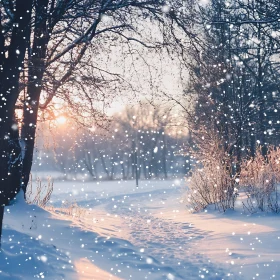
(61, 120)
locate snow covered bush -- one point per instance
(212, 182)
(259, 177)
(41, 193)
(211, 185)
(215, 184)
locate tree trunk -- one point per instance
(262, 118)
(112, 173)
(144, 167)
(36, 69)
(103, 163)
(123, 167)
(88, 161)
(164, 155)
(10, 150)
(239, 144)
(1, 222)
(10, 166)
(95, 168)
(128, 168)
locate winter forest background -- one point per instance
(119, 119)
(142, 137)
(222, 90)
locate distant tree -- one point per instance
(149, 130)
(149, 125)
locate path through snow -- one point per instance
(126, 233)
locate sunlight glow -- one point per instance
(61, 120)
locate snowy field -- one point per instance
(117, 231)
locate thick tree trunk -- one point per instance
(10, 150)
(10, 170)
(35, 77)
(10, 166)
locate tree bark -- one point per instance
(35, 76)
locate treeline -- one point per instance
(234, 76)
(145, 138)
(235, 118)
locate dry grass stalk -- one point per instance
(40, 195)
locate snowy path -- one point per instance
(63, 248)
(168, 242)
(127, 233)
(167, 249)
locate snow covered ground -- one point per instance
(123, 232)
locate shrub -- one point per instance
(73, 209)
(212, 184)
(259, 177)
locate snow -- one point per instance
(123, 232)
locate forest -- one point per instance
(139, 139)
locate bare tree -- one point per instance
(44, 44)
(233, 83)
(149, 125)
